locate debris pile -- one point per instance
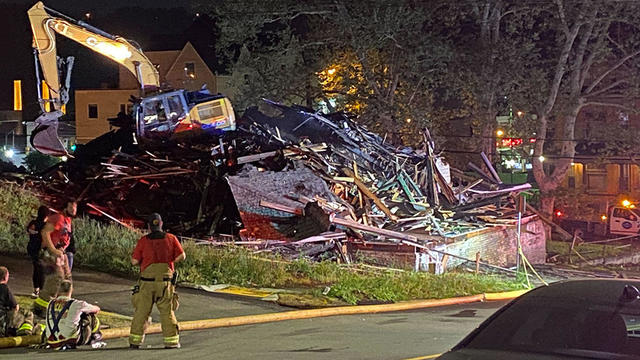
(299, 183)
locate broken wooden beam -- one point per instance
(283, 208)
(371, 229)
(368, 193)
(489, 166)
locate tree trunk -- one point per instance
(488, 141)
(547, 201)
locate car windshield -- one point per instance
(556, 325)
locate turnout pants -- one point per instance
(155, 287)
(17, 323)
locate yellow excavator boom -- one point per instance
(114, 47)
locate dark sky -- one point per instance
(154, 24)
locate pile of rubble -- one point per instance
(299, 183)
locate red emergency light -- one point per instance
(511, 142)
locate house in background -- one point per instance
(178, 69)
(604, 176)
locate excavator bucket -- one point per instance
(44, 137)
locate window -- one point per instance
(176, 112)
(190, 70)
(93, 111)
(625, 214)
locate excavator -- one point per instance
(159, 114)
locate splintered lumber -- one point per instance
(368, 193)
(256, 157)
(283, 208)
(468, 187)
(502, 191)
(489, 166)
(109, 216)
(371, 229)
(162, 174)
(481, 172)
(446, 189)
(550, 222)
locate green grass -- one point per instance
(108, 248)
(588, 251)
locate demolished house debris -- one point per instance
(300, 183)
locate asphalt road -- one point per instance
(397, 335)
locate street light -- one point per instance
(541, 158)
(499, 132)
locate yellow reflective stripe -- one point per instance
(172, 339)
(25, 326)
(96, 326)
(135, 339)
(42, 302)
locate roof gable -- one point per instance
(187, 50)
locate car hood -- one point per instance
(480, 354)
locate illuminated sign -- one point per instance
(511, 142)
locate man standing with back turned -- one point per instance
(156, 253)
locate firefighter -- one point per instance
(156, 253)
(56, 236)
(71, 322)
(13, 320)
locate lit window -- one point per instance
(93, 111)
(190, 70)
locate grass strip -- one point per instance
(107, 248)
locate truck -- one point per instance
(619, 220)
(158, 113)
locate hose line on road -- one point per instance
(287, 315)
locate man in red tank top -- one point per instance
(56, 236)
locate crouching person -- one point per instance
(71, 322)
(13, 320)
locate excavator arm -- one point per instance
(45, 23)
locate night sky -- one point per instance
(154, 24)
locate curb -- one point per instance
(18, 341)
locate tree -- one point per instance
(376, 59)
(388, 64)
(37, 162)
(486, 38)
(579, 63)
(275, 47)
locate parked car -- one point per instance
(580, 319)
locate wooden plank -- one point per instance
(468, 187)
(368, 193)
(481, 172)
(157, 175)
(489, 166)
(283, 208)
(446, 189)
(371, 229)
(549, 222)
